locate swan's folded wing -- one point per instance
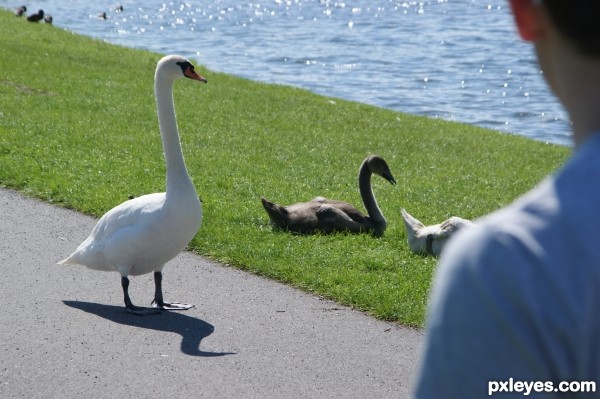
(331, 218)
(453, 224)
(127, 214)
(349, 210)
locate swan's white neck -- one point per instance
(177, 175)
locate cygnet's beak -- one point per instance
(387, 175)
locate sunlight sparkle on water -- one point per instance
(399, 56)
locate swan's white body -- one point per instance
(437, 234)
(140, 235)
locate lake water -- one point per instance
(458, 60)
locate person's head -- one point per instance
(578, 22)
(575, 20)
(566, 35)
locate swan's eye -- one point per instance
(185, 66)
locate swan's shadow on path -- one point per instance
(191, 329)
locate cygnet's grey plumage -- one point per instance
(327, 215)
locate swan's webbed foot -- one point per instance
(141, 311)
(159, 303)
(171, 305)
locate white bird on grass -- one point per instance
(142, 234)
(431, 239)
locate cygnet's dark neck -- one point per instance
(366, 193)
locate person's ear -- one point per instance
(528, 18)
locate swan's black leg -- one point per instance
(158, 297)
(129, 306)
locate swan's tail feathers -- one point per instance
(277, 213)
(410, 222)
(68, 261)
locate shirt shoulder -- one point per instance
(516, 296)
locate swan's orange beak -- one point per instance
(190, 73)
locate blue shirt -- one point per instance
(517, 297)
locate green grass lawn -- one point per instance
(78, 128)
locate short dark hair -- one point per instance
(579, 22)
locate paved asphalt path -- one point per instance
(64, 332)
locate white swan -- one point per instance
(431, 239)
(142, 234)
